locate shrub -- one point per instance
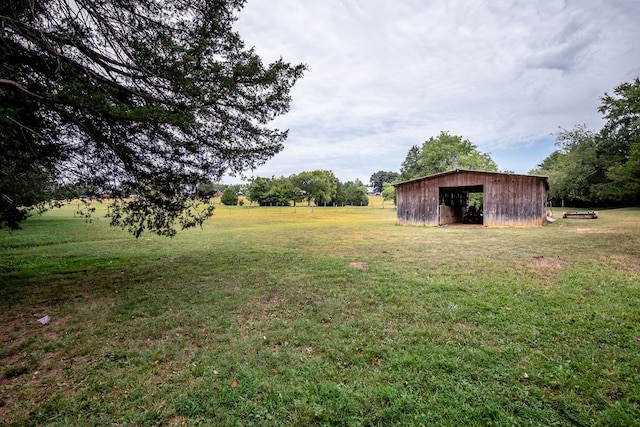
(229, 197)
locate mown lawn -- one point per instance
(321, 316)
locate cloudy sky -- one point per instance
(385, 75)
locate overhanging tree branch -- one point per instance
(136, 96)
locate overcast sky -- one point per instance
(388, 74)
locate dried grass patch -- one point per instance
(627, 263)
(593, 231)
(362, 266)
(178, 421)
(545, 268)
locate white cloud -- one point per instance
(384, 76)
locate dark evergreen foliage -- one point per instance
(380, 178)
(149, 96)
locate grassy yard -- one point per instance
(321, 316)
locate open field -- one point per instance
(323, 316)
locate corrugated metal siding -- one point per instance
(509, 200)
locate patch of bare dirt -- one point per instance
(464, 326)
(178, 421)
(362, 266)
(545, 268)
(583, 230)
(592, 230)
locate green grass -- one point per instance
(439, 326)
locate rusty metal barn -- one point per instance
(508, 200)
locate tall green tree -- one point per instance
(281, 193)
(410, 168)
(258, 189)
(319, 186)
(389, 192)
(444, 153)
(272, 191)
(378, 179)
(574, 167)
(355, 193)
(340, 198)
(553, 166)
(620, 143)
(153, 96)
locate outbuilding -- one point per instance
(501, 199)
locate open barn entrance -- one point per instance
(461, 205)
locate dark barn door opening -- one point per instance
(461, 205)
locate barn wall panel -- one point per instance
(509, 200)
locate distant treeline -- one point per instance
(320, 187)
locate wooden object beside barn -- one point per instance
(508, 199)
(580, 215)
